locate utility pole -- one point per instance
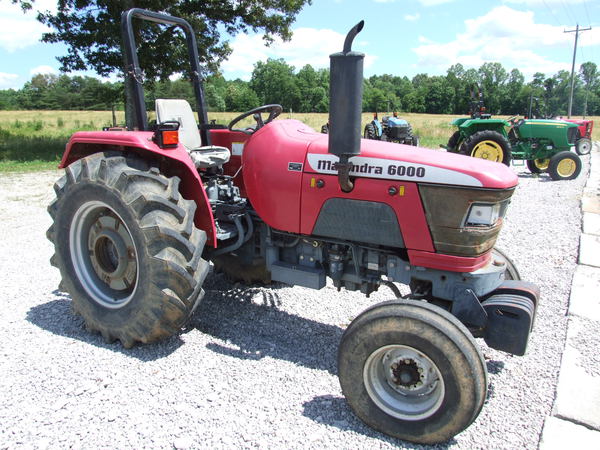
(576, 31)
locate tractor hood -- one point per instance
(383, 160)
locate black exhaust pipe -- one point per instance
(345, 105)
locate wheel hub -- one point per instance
(489, 150)
(542, 163)
(566, 167)
(103, 254)
(403, 382)
(111, 253)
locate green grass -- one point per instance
(35, 140)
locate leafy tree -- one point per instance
(274, 82)
(91, 30)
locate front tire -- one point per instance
(583, 146)
(454, 142)
(538, 165)
(564, 166)
(489, 145)
(511, 272)
(411, 370)
(127, 248)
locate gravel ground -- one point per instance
(257, 366)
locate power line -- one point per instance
(577, 30)
(571, 18)
(587, 13)
(551, 12)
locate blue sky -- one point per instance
(400, 37)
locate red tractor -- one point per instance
(583, 144)
(140, 214)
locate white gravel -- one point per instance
(257, 366)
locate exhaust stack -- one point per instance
(345, 105)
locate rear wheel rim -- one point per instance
(403, 382)
(103, 254)
(541, 164)
(566, 167)
(490, 150)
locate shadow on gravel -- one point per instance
(247, 318)
(57, 317)
(542, 178)
(335, 412)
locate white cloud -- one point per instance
(7, 80)
(433, 2)
(422, 2)
(502, 35)
(543, 2)
(43, 70)
(18, 30)
(412, 17)
(307, 46)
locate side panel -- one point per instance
(406, 204)
(554, 130)
(359, 221)
(273, 159)
(175, 162)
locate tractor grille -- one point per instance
(572, 135)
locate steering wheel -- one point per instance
(273, 110)
(512, 120)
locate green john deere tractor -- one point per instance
(545, 145)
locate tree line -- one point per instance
(307, 90)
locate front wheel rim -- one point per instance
(585, 147)
(103, 254)
(566, 167)
(490, 150)
(403, 382)
(541, 164)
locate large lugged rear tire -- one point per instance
(127, 248)
(369, 132)
(489, 145)
(411, 370)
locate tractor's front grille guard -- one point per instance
(446, 209)
(572, 135)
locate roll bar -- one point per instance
(134, 72)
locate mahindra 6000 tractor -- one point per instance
(140, 213)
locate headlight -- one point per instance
(464, 221)
(483, 215)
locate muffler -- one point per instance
(345, 106)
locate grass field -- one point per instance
(35, 140)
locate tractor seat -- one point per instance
(168, 109)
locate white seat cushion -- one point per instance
(169, 109)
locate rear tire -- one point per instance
(538, 165)
(564, 166)
(583, 146)
(127, 248)
(369, 132)
(489, 145)
(415, 140)
(413, 371)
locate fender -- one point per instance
(174, 162)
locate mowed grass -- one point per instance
(35, 140)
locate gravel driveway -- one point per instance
(257, 366)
